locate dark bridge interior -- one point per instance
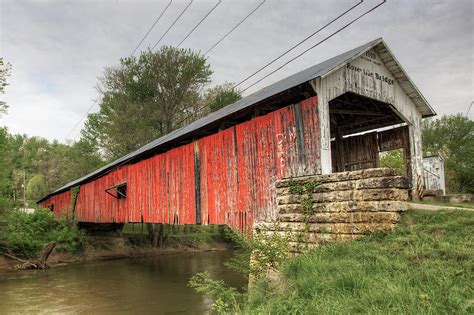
(351, 114)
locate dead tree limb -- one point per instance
(38, 263)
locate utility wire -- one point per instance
(234, 28)
(298, 44)
(469, 109)
(169, 28)
(133, 52)
(77, 124)
(172, 24)
(202, 20)
(151, 27)
(317, 44)
(339, 30)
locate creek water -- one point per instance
(148, 285)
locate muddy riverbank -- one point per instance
(99, 248)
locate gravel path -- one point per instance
(421, 206)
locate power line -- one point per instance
(77, 124)
(469, 109)
(317, 44)
(169, 28)
(144, 37)
(151, 27)
(339, 30)
(172, 24)
(234, 28)
(202, 20)
(298, 44)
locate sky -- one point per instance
(58, 49)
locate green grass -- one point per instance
(425, 266)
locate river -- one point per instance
(148, 285)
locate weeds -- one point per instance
(26, 233)
(226, 299)
(425, 266)
(258, 254)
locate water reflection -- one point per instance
(150, 285)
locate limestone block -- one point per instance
(347, 206)
(337, 177)
(334, 228)
(383, 182)
(342, 217)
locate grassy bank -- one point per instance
(425, 266)
(24, 234)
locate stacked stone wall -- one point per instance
(313, 210)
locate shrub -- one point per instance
(226, 299)
(26, 233)
(259, 253)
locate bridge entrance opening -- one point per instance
(361, 128)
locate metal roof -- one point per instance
(319, 70)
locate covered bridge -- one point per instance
(222, 169)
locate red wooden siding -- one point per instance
(60, 204)
(158, 190)
(227, 177)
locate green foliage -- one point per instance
(74, 193)
(268, 251)
(146, 97)
(5, 68)
(5, 170)
(36, 187)
(423, 267)
(221, 96)
(259, 254)
(26, 233)
(393, 159)
(452, 137)
(226, 299)
(48, 165)
(305, 190)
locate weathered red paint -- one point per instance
(237, 169)
(60, 204)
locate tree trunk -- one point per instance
(45, 252)
(38, 263)
(155, 234)
(187, 229)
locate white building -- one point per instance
(433, 173)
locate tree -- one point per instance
(4, 143)
(5, 170)
(452, 137)
(146, 97)
(221, 96)
(5, 68)
(393, 159)
(81, 159)
(36, 187)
